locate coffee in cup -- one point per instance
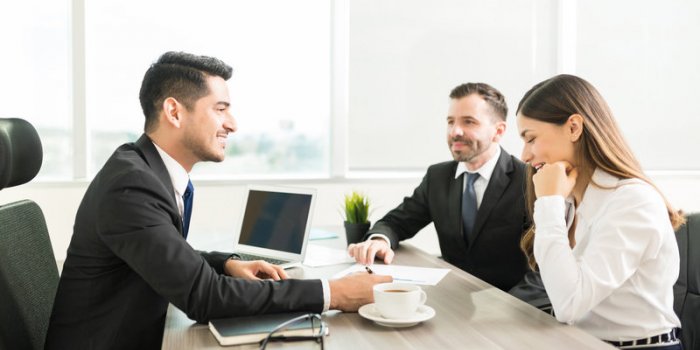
(398, 300)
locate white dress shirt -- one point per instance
(179, 177)
(484, 172)
(617, 281)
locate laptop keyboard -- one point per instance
(250, 257)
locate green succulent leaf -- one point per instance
(356, 208)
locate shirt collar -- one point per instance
(485, 171)
(601, 183)
(178, 174)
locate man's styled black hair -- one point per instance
(179, 75)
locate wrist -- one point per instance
(230, 262)
(333, 304)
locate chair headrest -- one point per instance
(21, 153)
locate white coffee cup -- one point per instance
(398, 300)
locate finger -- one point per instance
(248, 274)
(270, 271)
(389, 256)
(369, 255)
(380, 248)
(361, 254)
(282, 273)
(573, 174)
(351, 249)
(358, 252)
(383, 278)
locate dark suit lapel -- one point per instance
(500, 178)
(155, 162)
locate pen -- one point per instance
(368, 270)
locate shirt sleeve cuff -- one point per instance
(379, 235)
(326, 294)
(550, 211)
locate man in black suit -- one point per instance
(479, 219)
(128, 257)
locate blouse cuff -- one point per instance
(550, 211)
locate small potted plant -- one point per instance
(356, 211)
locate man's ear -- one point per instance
(575, 127)
(500, 130)
(171, 111)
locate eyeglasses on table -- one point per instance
(317, 336)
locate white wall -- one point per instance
(218, 205)
(406, 55)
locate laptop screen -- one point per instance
(275, 220)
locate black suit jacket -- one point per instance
(493, 251)
(127, 259)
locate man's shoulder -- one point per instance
(127, 165)
(511, 163)
(443, 167)
(126, 156)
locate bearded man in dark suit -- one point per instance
(475, 201)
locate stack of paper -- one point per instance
(402, 274)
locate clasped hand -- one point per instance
(557, 178)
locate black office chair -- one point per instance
(687, 289)
(28, 272)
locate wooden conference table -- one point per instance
(470, 314)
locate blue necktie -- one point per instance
(469, 208)
(187, 212)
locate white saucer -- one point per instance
(423, 313)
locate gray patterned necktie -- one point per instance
(469, 208)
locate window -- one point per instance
(280, 54)
(35, 71)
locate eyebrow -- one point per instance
(226, 104)
(462, 117)
(522, 134)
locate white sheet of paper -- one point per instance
(403, 274)
(317, 255)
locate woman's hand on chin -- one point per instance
(553, 179)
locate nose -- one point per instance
(230, 123)
(454, 130)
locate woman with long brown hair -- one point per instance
(602, 234)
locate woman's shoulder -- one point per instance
(632, 187)
(614, 193)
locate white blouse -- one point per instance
(617, 281)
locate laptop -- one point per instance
(275, 224)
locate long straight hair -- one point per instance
(601, 144)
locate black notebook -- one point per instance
(253, 329)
